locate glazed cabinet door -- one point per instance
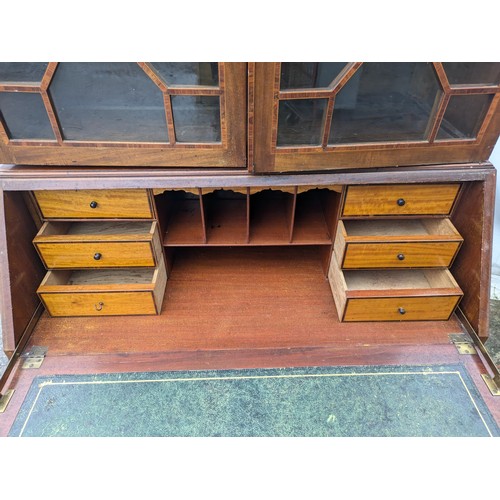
(125, 114)
(325, 115)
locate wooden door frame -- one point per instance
(230, 153)
(265, 157)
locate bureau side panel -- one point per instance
(21, 268)
(473, 218)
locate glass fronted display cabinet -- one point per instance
(264, 117)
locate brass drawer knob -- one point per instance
(401, 202)
(401, 256)
(99, 306)
(97, 256)
(402, 310)
(93, 204)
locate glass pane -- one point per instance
(305, 75)
(385, 102)
(188, 73)
(472, 73)
(463, 116)
(196, 118)
(300, 122)
(25, 116)
(22, 71)
(108, 102)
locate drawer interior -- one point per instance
(99, 277)
(400, 227)
(94, 228)
(400, 279)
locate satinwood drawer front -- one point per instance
(104, 292)
(396, 243)
(400, 199)
(74, 245)
(395, 295)
(99, 303)
(95, 204)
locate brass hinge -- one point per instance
(5, 399)
(34, 358)
(492, 384)
(463, 343)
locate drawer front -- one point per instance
(437, 308)
(95, 204)
(99, 303)
(399, 255)
(400, 199)
(96, 255)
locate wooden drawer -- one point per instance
(104, 292)
(95, 204)
(76, 245)
(400, 199)
(400, 243)
(396, 295)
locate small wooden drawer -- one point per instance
(104, 292)
(397, 295)
(396, 243)
(77, 245)
(95, 204)
(400, 199)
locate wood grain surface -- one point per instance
(83, 255)
(388, 309)
(99, 304)
(398, 255)
(383, 200)
(116, 203)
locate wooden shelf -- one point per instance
(270, 218)
(185, 225)
(265, 218)
(310, 223)
(226, 218)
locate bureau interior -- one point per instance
(245, 270)
(248, 216)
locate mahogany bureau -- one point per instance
(245, 207)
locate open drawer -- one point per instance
(396, 243)
(108, 292)
(394, 295)
(89, 244)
